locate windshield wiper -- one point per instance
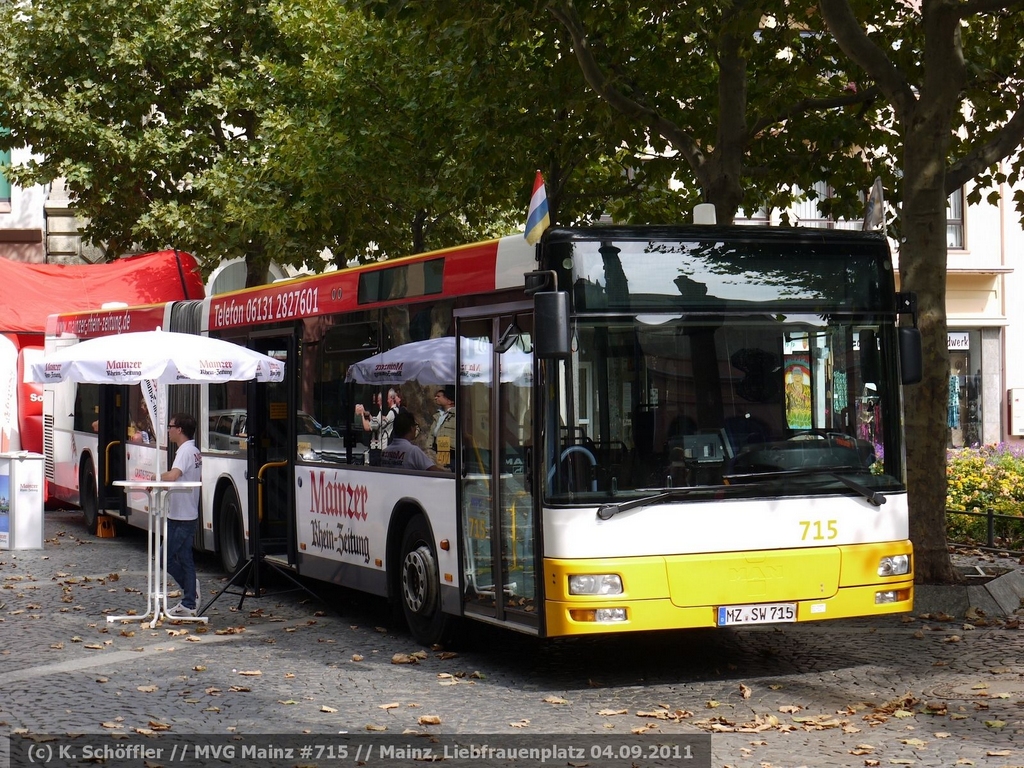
(608, 511)
(872, 497)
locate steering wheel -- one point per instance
(573, 449)
(812, 434)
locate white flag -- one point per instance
(874, 208)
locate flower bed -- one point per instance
(989, 477)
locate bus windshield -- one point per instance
(665, 401)
(731, 381)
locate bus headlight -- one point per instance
(894, 565)
(595, 584)
(892, 596)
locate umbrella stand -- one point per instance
(246, 580)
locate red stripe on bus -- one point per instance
(469, 269)
(106, 322)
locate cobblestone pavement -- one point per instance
(893, 691)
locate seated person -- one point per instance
(140, 430)
(401, 451)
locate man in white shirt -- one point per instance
(183, 512)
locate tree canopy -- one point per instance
(381, 127)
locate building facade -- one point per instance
(21, 215)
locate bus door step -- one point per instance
(281, 561)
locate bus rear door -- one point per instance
(112, 429)
(272, 451)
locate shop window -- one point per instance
(963, 412)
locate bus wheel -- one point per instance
(421, 599)
(87, 498)
(230, 533)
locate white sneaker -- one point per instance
(181, 611)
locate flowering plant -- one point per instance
(987, 477)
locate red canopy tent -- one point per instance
(31, 292)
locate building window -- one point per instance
(955, 220)
(5, 185)
(759, 217)
(809, 214)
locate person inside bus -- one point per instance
(401, 451)
(442, 431)
(141, 431)
(183, 512)
(381, 425)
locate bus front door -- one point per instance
(270, 432)
(497, 518)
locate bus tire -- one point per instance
(230, 533)
(420, 586)
(87, 495)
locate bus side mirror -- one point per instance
(551, 325)
(911, 364)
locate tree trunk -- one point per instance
(923, 271)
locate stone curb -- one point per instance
(999, 597)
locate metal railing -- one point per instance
(1013, 530)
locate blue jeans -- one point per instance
(180, 564)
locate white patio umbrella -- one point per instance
(165, 357)
(152, 358)
(431, 362)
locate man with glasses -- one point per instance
(402, 452)
(183, 513)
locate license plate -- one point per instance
(764, 613)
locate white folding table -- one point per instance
(157, 493)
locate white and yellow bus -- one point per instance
(656, 428)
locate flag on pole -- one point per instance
(874, 207)
(537, 220)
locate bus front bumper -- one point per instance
(728, 589)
